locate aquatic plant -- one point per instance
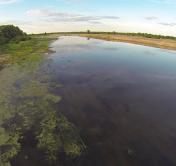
(28, 106)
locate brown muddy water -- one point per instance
(121, 99)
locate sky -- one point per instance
(38, 16)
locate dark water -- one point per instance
(122, 98)
(118, 100)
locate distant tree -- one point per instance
(88, 31)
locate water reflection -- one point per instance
(122, 99)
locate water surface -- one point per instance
(121, 97)
(90, 103)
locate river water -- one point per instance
(120, 98)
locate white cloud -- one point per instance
(168, 24)
(150, 18)
(72, 1)
(51, 15)
(39, 12)
(7, 1)
(165, 1)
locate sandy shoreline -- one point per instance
(159, 43)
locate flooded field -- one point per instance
(113, 104)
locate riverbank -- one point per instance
(31, 49)
(159, 43)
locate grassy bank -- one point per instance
(14, 52)
(150, 40)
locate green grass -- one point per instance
(29, 50)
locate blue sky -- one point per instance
(35, 16)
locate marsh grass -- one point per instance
(29, 50)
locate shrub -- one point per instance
(10, 32)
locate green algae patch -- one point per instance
(28, 108)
